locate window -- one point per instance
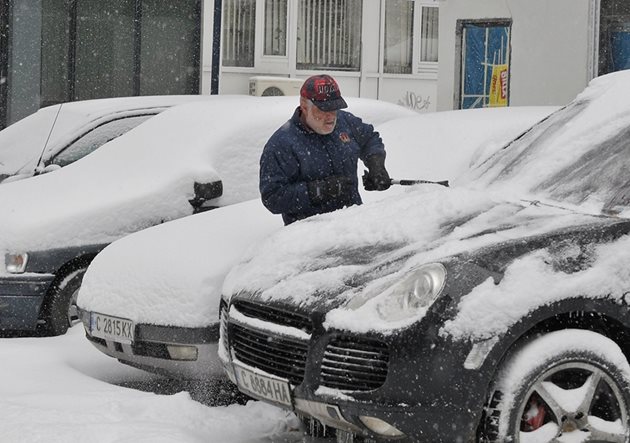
(429, 34)
(398, 36)
(484, 63)
(239, 26)
(410, 36)
(329, 34)
(614, 36)
(96, 138)
(275, 27)
(94, 49)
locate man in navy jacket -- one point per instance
(309, 165)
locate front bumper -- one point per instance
(427, 395)
(21, 298)
(150, 350)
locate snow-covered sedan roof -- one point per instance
(53, 127)
(172, 274)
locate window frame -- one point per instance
(52, 159)
(419, 69)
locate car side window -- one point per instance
(96, 138)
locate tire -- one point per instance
(570, 382)
(60, 310)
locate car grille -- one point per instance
(275, 315)
(280, 356)
(353, 364)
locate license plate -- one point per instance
(111, 328)
(273, 389)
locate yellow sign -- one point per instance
(499, 86)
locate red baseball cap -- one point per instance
(324, 92)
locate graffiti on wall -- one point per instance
(415, 101)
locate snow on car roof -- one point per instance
(161, 289)
(23, 141)
(146, 176)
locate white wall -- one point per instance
(551, 47)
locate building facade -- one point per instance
(424, 54)
(538, 52)
(381, 49)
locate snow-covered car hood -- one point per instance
(174, 272)
(331, 260)
(53, 127)
(146, 176)
(186, 293)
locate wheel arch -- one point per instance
(605, 316)
(66, 269)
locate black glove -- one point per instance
(377, 179)
(337, 187)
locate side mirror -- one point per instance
(205, 192)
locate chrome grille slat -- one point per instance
(358, 369)
(354, 364)
(334, 359)
(223, 321)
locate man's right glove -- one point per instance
(336, 187)
(377, 179)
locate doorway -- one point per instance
(614, 36)
(484, 59)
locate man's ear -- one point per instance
(303, 104)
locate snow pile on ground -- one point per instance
(61, 389)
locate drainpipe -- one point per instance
(216, 48)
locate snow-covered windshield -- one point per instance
(580, 155)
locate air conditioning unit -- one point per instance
(267, 86)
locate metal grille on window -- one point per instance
(398, 36)
(429, 34)
(275, 27)
(329, 34)
(238, 32)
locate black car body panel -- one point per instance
(430, 392)
(22, 295)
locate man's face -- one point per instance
(321, 122)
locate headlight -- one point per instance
(416, 291)
(16, 263)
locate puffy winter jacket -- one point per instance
(295, 155)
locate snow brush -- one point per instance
(419, 182)
(408, 182)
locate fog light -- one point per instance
(380, 427)
(16, 263)
(182, 352)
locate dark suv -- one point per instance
(497, 310)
